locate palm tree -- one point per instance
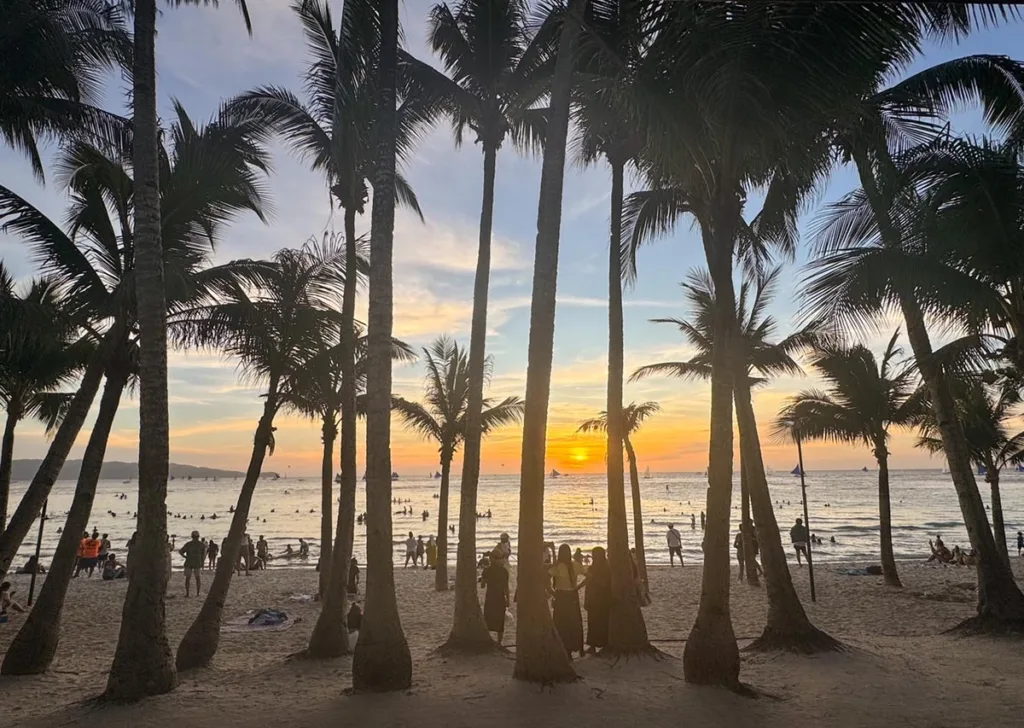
(984, 416)
(498, 75)
(445, 419)
(633, 417)
(381, 661)
(755, 359)
(142, 664)
(53, 54)
(315, 389)
(864, 399)
(540, 656)
(45, 358)
(270, 325)
(210, 175)
(334, 131)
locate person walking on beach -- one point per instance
(410, 550)
(597, 599)
(421, 549)
(211, 553)
(798, 535)
(567, 617)
(693, 522)
(675, 545)
(495, 579)
(193, 552)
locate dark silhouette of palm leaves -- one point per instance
(633, 417)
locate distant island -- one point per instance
(114, 470)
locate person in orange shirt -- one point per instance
(90, 549)
(80, 560)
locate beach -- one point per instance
(900, 668)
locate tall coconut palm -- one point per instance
(269, 326)
(381, 661)
(540, 656)
(334, 132)
(315, 390)
(210, 174)
(633, 417)
(53, 55)
(44, 358)
(497, 73)
(142, 663)
(864, 399)
(756, 358)
(985, 416)
(445, 419)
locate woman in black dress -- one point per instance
(568, 620)
(597, 600)
(495, 579)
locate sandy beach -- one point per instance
(900, 669)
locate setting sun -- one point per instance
(579, 455)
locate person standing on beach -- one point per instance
(211, 554)
(567, 617)
(495, 579)
(431, 553)
(740, 556)
(702, 521)
(505, 547)
(194, 552)
(597, 599)
(798, 535)
(693, 522)
(1020, 542)
(410, 550)
(421, 549)
(80, 554)
(104, 548)
(675, 545)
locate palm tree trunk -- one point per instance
(200, 642)
(142, 664)
(747, 528)
(33, 648)
(441, 575)
(998, 526)
(7, 459)
(469, 633)
(999, 597)
(540, 656)
(788, 626)
(892, 578)
(711, 655)
(638, 519)
(381, 661)
(627, 633)
(330, 633)
(39, 489)
(327, 504)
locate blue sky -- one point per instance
(205, 56)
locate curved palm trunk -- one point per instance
(33, 648)
(469, 633)
(441, 575)
(889, 573)
(638, 519)
(627, 632)
(330, 633)
(200, 642)
(788, 626)
(747, 528)
(711, 655)
(7, 459)
(327, 505)
(142, 664)
(998, 526)
(381, 660)
(999, 597)
(39, 489)
(540, 656)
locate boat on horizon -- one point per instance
(394, 476)
(555, 474)
(864, 469)
(797, 471)
(436, 475)
(647, 473)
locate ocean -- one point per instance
(843, 504)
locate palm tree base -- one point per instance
(807, 641)
(988, 625)
(466, 645)
(32, 650)
(711, 656)
(647, 651)
(326, 642)
(198, 646)
(381, 665)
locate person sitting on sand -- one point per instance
(112, 570)
(939, 552)
(31, 566)
(7, 600)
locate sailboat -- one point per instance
(647, 473)
(394, 476)
(797, 471)
(436, 475)
(555, 473)
(864, 469)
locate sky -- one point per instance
(205, 56)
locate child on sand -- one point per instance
(7, 602)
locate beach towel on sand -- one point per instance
(262, 620)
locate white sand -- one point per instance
(902, 670)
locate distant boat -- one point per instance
(172, 477)
(864, 469)
(982, 470)
(555, 473)
(797, 471)
(437, 475)
(364, 477)
(337, 478)
(1019, 468)
(394, 476)
(647, 473)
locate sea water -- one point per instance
(842, 504)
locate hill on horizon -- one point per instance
(115, 470)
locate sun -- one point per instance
(579, 455)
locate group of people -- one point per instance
(958, 556)
(420, 553)
(92, 552)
